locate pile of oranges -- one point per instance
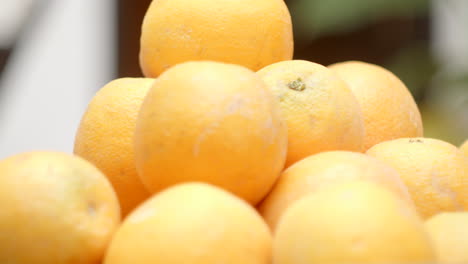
(229, 151)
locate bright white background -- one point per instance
(61, 60)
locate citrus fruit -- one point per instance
(105, 136)
(435, 172)
(359, 222)
(211, 122)
(320, 110)
(323, 170)
(56, 208)
(387, 105)
(464, 147)
(192, 223)
(449, 233)
(249, 33)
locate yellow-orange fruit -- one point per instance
(320, 110)
(358, 222)
(249, 33)
(105, 137)
(323, 170)
(56, 208)
(192, 223)
(387, 105)
(449, 234)
(435, 172)
(211, 122)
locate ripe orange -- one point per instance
(250, 33)
(464, 147)
(192, 223)
(387, 105)
(211, 122)
(105, 136)
(357, 222)
(321, 111)
(56, 208)
(435, 172)
(326, 169)
(449, 233)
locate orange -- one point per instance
(435, 172)
(449, 233)
(192, 223)
(211, 122)
(320, 110)
(359, 222)
(326, 169)
(464, 147)
(105, 137)
(387, 105)
(56, 209)
(249, 33)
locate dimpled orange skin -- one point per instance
(435, 172)
(105, 137)
(56, 209)
(211, 122)
(387, 105)
(249, 33)
(192, 223)
(357, 222)
(323, 170)
(320, 110)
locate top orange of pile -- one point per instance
(249, 33)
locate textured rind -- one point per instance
(435, 172)
(323, 170)
(56, 208)
(211, 122)
(323, 116)
(387, 105)
(105, 136)
(194, 223)
(250, 33)
(357, 222)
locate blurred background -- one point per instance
(55, 54)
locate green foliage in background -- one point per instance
(442, 96)
(314, 18)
